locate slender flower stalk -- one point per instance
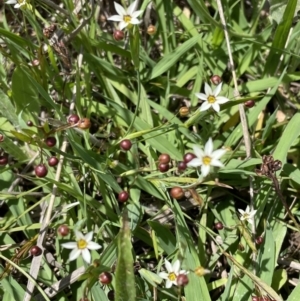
(206, 158)
(247, 215)
(126, 18)
(173, 271)
(81, 246)
(211, 98)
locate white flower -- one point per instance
(211, 98)
(126, 17)
(206, 158)
(247, 215)
(18, 3)
(172, 274)
(82, 246)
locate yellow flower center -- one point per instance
(172, 276)
(82, 244)
(246, 216)
(211, 99)
(127, 19)
(206, 160)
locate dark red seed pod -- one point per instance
(50, 141)
(249, 103)
(3, 160)
(255, 298)
(164, 158)
(41, 170)
(177, 193)
(219, 226)
(259, 240)
(29, 123)
(163, 167)
(105, 278)
(73, 119)
(63, 230)
(118, 35)
(35, 251)
(216, 79)
(188, 157)
(126, 144)
(123, 196)
(181, 166)
(182, 280)
(1, 138)
(53, 161)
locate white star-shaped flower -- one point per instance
(172, 274)
(247, 215)
(126, 17)
(18, 4)
(206, 158)
(211, 98)
(82, 245)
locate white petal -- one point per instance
(241, 211)
(11, 2)
(176, 266)
(122, 25)
(135, 21)
(136, 14)
(74, 254)
(132, 7)
(169, 283)
(205, 170)
(201, 96)
(205, 106)
(93, 246)
(247, 209)
(168, 266)
(86, 255)
(69, 245)
(120, 9)
(17, 6)
(207, 89)
(194, 163)
(216, 107)
(216, 162)
(208, 149)
(116, 18)
(221, 99)
(163, 275)
(79, 235)
(218, 89)
(198, 151)
(250, 221)
(89, 236)
(217, 154)
(252, 213)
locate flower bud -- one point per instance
(151, 30)
(184, 111)
(118, 35)
(216, 79)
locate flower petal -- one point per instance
(194, 163)
(205, 170)
(116, 18)
(163, 275)
(136, 14)
(93, 246)
(208, 149)
(17, 5)
(86, 255)
(201, 96)
(207, 89)
(198, 152)
(168, 266)
(169, 283)
(122, 25)
(69, 245)
(89, 236)
(217, 89)
(11, 2)
(221, 99)
(120, 9)
(79, 235)
(216, 106)
(176, 266)
(252, 213)
(135, 21)
(205, 106)
(217, 154)
(216, 162)
(132, 7)
(241, 211)
(74, 254)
